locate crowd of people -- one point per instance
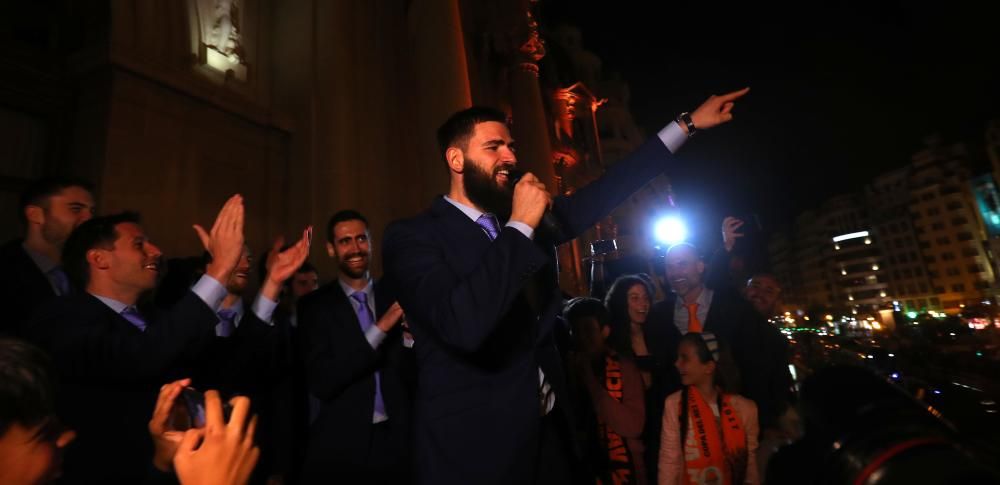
(463, 363)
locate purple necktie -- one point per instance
(58, 276)
(489, 224)
(227, 322)
(134, 317)
(367, 320)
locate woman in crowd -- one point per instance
(628, 302)
(613, 386)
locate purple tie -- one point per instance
(58, 276)
(134, 317)
(227, 322)
(367, 320)
(489, 224)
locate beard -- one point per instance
(55, 232)
(482, 189)
(354, 273)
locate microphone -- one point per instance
(549, 224)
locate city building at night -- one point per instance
(927, 238)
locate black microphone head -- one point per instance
(514, 176)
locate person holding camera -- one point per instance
(218, 451)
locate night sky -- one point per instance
(847, 90)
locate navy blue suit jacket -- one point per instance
(110, 374)
(22, 289)
(482, 313)
(340, 368)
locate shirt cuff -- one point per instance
(210, 291)
(673, 137)
(522, 228)
(375, 336)
(264, 307)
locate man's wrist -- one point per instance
(271, 289)
(218, 272)
(687, 124)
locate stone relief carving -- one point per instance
(221, 39)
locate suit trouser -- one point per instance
(555, 458)
(386, 462)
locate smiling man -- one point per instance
(477, 276)
(693, 307)
(352, 350)
(112, 354)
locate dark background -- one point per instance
(840, 91)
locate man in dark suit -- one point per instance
(352, 349)
(111, 356)
(50, 209)
(482, 300)
(693, 307)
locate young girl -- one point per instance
(719, 429)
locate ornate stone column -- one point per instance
(530, 126)
(441, 84)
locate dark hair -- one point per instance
(27, 385)
(457, 129)
(342, 216)
(586, 307)
(617, 303)
(39, 192)
(306, 267)
(726, 375)
(97, 232)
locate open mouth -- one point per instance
(154, 267)
(503, 175)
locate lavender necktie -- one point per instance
(58, 276)
(489, 224)
(367, 320)
(134, 317)
(227, 322)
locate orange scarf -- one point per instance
(712, 456)
(621, 470)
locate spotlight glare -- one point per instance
(670, 230)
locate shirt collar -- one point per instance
(470, 212)
(237, 309)
(113, 304)
(704, 299)
(349, 290)
(42, 261)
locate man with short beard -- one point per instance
(50, 209)
(476, 274)
(351, 345)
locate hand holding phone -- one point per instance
(189, 410)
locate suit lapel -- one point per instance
(459, 227)
(345, 317)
